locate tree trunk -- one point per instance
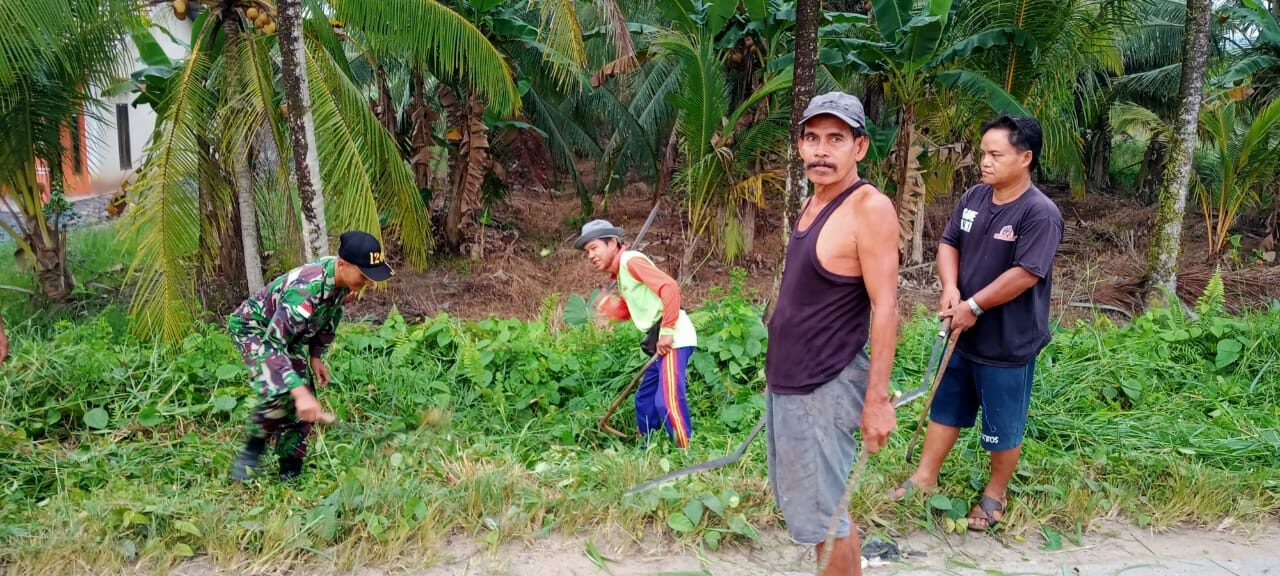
(907, 179)
(1153, 163)
(917, 232)
(221, 277)
(797, 185)
(1162, 260)
(383, 107)
(420, 140)
(302, 129)
(470, 166)
(874, 101)
(806, 43)
(52, 275)
(1100, 157)
(667, 167)
(1271, 241)
(48, 241)
(748, 223)
(248, 213)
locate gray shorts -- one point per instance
(811, 449)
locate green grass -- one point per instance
(115, 452)
(98, 259)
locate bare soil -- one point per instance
(1110, 548)
(528, 256)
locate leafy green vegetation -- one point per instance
(116, 451)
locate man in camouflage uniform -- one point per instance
(284, 330)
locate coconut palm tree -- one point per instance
(1256, 53)
(722, 142)
(220, 108)
(1162, 259)
(53, 53)
(1241, 158)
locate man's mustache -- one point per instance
(819, 164)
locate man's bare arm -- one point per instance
(876, 227)
(877, 238)
(1005, 287)
(948, 266)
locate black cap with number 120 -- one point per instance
(363, 250)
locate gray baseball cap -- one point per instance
(597, 229)
(846, 107)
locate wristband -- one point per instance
(973, 305)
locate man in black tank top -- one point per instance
(995, 261)
(839, 282)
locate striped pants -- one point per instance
(660, 401)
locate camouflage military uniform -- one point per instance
(277, 331)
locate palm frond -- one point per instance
(360, 163)
(982, 87)
(703, 99)
(564, 137)
(631, 143)
(438, 39)
(1137, 121)
(751, 189)
(561, 32)
(1063, 151)
(1156, 84)
(165, 219)
(649, 101)
(771, 85)
(1157, 41)
(762, 139)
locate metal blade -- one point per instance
(930, 369)
(653, 213)
(704, 466)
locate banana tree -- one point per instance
(907, 52)
(520, 40)
(53, 53)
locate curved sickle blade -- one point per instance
(930, 369)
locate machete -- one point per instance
(931, 370)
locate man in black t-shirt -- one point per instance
(995, 262)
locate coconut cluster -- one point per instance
(259, 14)
(261, 19)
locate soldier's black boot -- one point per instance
(247, 463)
(290, 468)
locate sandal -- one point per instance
(988, 506)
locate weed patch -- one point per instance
(115, 452)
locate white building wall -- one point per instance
(101, 127)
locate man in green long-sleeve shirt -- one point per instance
(651, 300)
(284, 330)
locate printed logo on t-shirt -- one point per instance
(1006, 234)
(966, 219)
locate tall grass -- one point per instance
(115, 452)
(94, 255)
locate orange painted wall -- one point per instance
(75, 177)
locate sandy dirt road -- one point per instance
(1111, 549)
